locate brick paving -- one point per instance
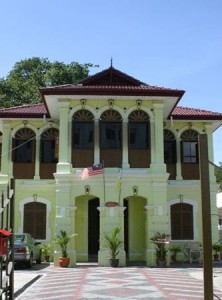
(117, 283)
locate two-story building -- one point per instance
(148, 145)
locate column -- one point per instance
(178, 145)
(208, 129)
(125, 159)
(64, 165)
(6, 151)
(158, 164)
(37, 157)
(97, 158)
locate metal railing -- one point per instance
(7, 259)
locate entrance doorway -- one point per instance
(134, 230)
(93, 229)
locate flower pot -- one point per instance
(47, 258)
(64, 262)
(161, 263)
(114, 262)
(216, 257)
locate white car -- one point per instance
(26, 249)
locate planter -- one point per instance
(47, 258)
(64, 262)
(114, 262)
(216, 257)
(161, 263)
(111, 204)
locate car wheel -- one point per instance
(29, 263)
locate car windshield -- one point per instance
(19, 238)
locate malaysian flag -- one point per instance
(93, 170)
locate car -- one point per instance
(26, 249)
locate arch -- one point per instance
(21, 126)
(145, 109)
(48, 211)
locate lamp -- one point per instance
(87, 189)
(138, 103)
(35, 196)
(110, 102)
(83, 103)
(135, 190)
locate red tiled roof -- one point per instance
(111, 82)
(25, 111)
(183, 113)
(39, 110)
(129, 90)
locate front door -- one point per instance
(93, 229)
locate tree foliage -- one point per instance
(218, 173)
(21, 86)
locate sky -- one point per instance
(169, 43)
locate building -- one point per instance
(149, 147)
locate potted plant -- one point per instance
(174, 250)
(217, 248)
(161, 240)
(46, 251)
(114, 243)
(62, 240)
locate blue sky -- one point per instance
(175, 44)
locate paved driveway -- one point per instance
(86, 282)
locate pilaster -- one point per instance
(6, 153)
(64, 165)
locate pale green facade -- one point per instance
(148, 192)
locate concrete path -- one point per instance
(134, 283)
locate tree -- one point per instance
(21, 86)
(218, 173)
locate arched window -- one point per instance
(23, 145)
(35, 219)
(189, 146)
(139, 139)
(181, 221)
(111, 138)
(189, 155)
(82, 138)
(169, 147)
(170, 155)
(49, 146)
(23, 154)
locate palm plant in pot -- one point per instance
(46, 251)
(114, 243)
(217, 248)
(161, 240)
(174, 250)
(63, 240)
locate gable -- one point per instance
(111, 76)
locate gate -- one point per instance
(7, 243)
